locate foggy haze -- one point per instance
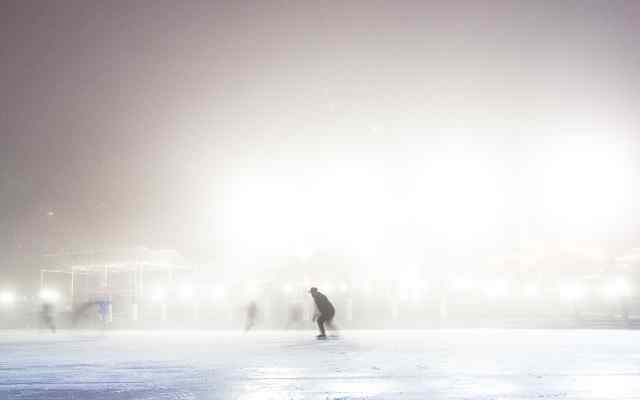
(414, 131)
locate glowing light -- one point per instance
(49, 295)
(158, 294)
(287, 288)
(497, 289)
(573, 292)
(186, 292)
(415, 297)
(461, 284)
(616, 289)
(412, 288)
(218, 293)
(447, 186)
(586, 183)
(7, 298)
(304, 253)
(343, 287)
(531, 291)
(251, 290)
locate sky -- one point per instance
(261, 128)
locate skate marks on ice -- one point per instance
(474, 365)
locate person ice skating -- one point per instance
(46, 316)
(80, 312)
(252, 314)
(103, 312)
(324, 313)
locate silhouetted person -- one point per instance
(325, 311)
(252, 315)
(46, 316)
(103, 312)
(80, 312)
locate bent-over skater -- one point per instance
(325, 311)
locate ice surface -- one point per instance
(432, 364)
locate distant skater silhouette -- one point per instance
(324, 312)
(252, 315)
(46, 317)
(82, 312)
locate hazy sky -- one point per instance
(166, 124)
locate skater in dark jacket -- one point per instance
(325, 311)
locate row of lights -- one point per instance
(186, 292)
(612, 289)
(8, 297)
(570, 291)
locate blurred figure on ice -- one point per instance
(252, 315)
(82, 312)
(295, 315)
(46, 316)
(103, 312)
(324, 312)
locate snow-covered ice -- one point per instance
(431, 364)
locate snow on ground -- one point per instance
(432, 364)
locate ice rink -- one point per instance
(432, 364)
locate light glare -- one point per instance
(7, 298)
(616, 289)
(497, 289)
(158, 294)
(49, 295)
(186, 292)
(573, 292)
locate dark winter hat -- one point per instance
(313, 290)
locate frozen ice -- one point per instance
(418, 364)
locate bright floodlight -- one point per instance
(49, 295)
(461, 284)
(573, 292)
(218, 293)
(185, 292)
(287, 288)
(343, 287)
(531, 291)
(616, 289)
(415, 297)
(586, 183)
(251, 290)
(158, 294)
(7, 298)
(497, 289)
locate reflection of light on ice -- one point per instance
(269, 383)
(603, 386)
(279, 383)
(357, 388)
(259, 392)
(384, 364)
(491, 388)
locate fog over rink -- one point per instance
(400, 150)
(434, 364)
